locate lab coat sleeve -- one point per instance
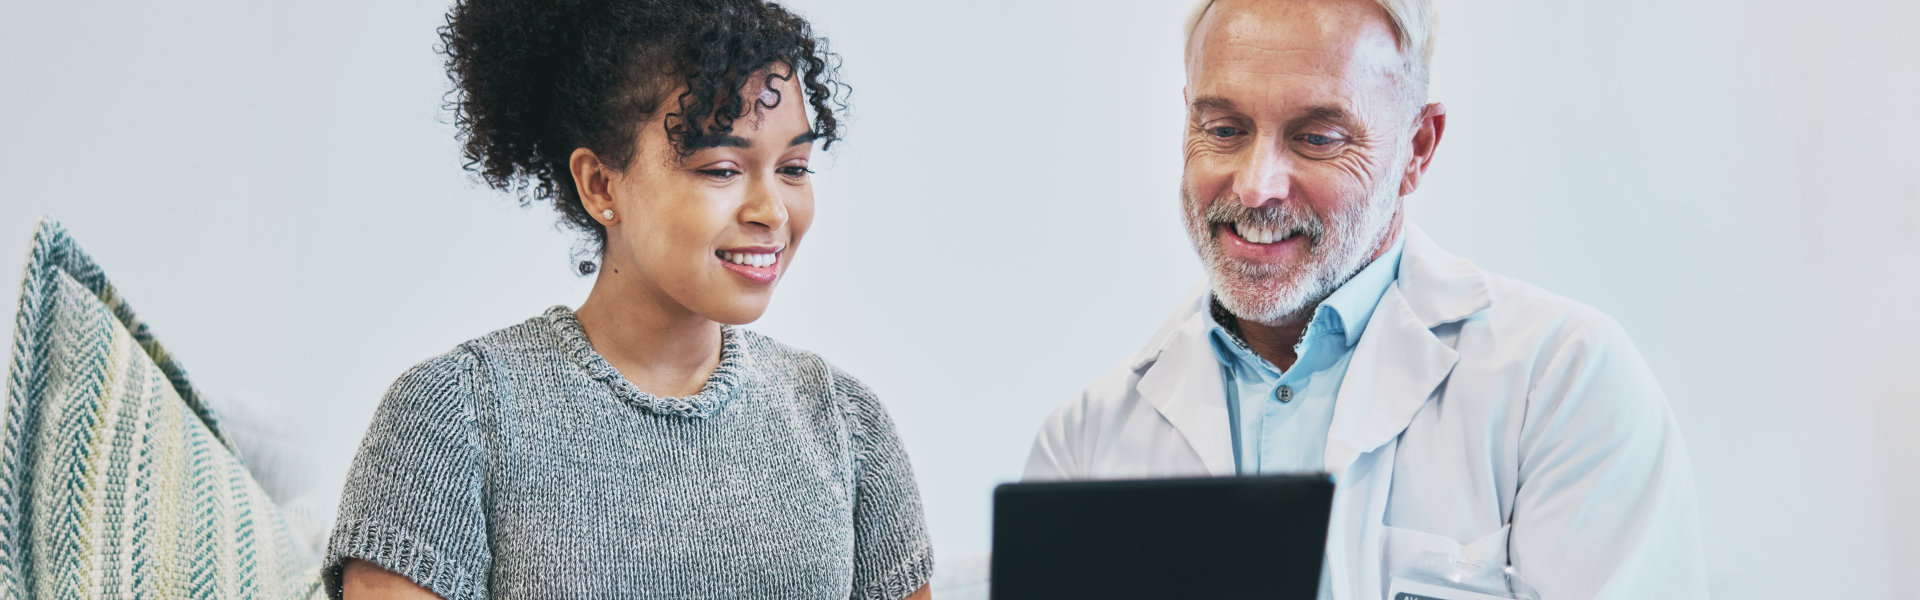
(1053, 456)
(1605, 506)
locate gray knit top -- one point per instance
(522, 465)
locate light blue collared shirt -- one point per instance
(1280, 419)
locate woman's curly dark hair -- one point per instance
(536, 79)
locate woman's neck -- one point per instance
(653, 341)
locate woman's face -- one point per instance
(713, 232)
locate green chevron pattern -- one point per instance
(115, 481)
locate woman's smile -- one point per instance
(758, 264)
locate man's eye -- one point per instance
(1317, 139)
(1224, 131)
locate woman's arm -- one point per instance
(362, 580)
(924, 593)
(412, 503)
(890, 547)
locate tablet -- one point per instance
(1216, 537)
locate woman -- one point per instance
(642, 446)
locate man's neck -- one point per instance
(1276, 342)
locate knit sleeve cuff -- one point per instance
(909, 577)
(395, 550)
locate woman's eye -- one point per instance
(796, 172)
(721, 174)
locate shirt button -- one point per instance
(1284, 394)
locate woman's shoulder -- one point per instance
(442, 375)
(544, 332)
(782, 360)
(829, 383)
(447, 376)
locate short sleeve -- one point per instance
(413, 498)
(892, 556)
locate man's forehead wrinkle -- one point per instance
(1282, 83)
(1283, 95)
(1237, 61)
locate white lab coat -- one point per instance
(1478, 414)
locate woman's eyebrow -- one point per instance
(734, 141)
(720, 140)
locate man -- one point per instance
(1463, 415)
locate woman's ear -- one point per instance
(593, 180)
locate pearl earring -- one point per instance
(607, 214)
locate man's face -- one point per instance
(1298, 133)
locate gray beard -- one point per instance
(1338, 248)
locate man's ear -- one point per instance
(593, 180)
(1426, 140)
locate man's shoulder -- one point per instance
(1555, 354)
(1524, 312)
(1449, 291)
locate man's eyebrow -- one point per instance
(1317, 113)
(1215, 103)
(1325, 113)
(804, 138)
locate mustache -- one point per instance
(1229, 209)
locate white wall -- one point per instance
(274, 187)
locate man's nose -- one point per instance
(1267, 176)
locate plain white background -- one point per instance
(275, 188)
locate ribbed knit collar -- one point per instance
(712, 397)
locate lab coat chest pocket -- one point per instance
(1414, 559)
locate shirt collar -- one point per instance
(1352, 305)
(1345, 312)
(1228, 348)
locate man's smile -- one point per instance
(1265, 234)
(1275, 244)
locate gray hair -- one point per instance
(1412, 22)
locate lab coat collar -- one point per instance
(1439, 287)
(1396, 366)
(1182, 381)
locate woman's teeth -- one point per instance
(751, 260)
(1261, 235)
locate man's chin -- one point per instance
(1260, 302)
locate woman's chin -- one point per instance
(739, 312)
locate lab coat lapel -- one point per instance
(1399, 361)
(1394, 370)
(1183, 384)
